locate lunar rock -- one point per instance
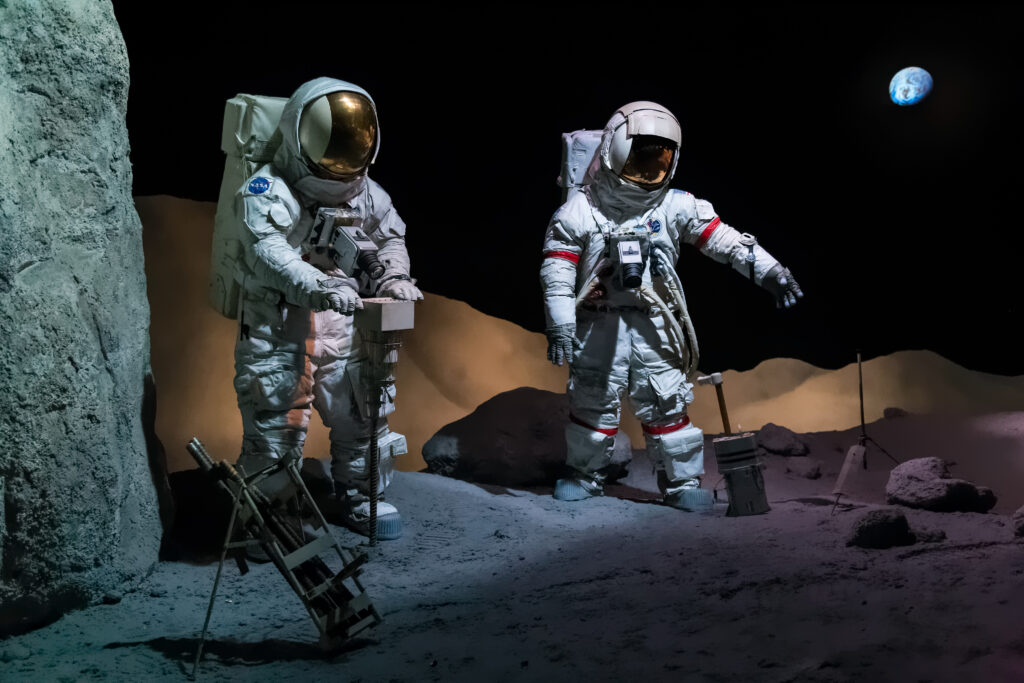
(809, 468)
(893, 412)
(880, 529)
(441, 453)
(925, 483)
(514, 439)
(930, 535)
(778, 440)
(79, 515)
(1018, 522)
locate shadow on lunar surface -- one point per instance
(202, 514)
(820, 501)
(494, 489)
(229, 652)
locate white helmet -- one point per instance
(641, 142)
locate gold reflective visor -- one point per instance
(352, 135)
(648, 163)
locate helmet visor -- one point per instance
(649, 161)
(338, 133)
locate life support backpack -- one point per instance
(578, 150)
(249, 139)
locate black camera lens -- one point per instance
(369, 263)
(632, 275)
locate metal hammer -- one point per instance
(716, 379)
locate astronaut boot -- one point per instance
(256, 553)
(577, 487)
(354, 512)
(281, 493)
(686, 494)
(588, 450)
(303, 520)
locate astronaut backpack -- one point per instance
(578, 151)
(249, 138)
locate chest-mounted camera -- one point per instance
(339, 232)
(630, 248)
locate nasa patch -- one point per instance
(654, 225)
(258, 185)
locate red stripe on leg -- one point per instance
(666, 429)
(581, 423)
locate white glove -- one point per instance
(401, 289)
(337, 295)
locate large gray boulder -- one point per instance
(516, 438)
(925, 483)
(78, 507)
(775, 439)
(808, 468)
(1018, 523)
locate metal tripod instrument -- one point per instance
(856, 457)
(336, 601)
(380, 323)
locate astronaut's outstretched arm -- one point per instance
(558, 283)
(723, 243)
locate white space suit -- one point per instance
(622, 339)
(297, 347)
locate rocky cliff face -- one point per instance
(78, 508)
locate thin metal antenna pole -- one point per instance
(216, 583)
(860, 382)
(864, 438)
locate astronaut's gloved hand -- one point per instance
(560, 342)
(338, 295)
(401, 289)
(781, 283)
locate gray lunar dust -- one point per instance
(508, 585)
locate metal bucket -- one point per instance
(737, 462)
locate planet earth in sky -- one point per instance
(910, 85)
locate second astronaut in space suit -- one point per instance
(614, 304)
(298, 348)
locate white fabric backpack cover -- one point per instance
(249, 139)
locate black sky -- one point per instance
(900, 223)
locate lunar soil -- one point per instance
(498, 584)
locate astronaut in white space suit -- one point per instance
(298, 348)
(614, 306)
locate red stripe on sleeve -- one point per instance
(706, 235)
(567, 255)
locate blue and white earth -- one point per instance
(910, 85)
